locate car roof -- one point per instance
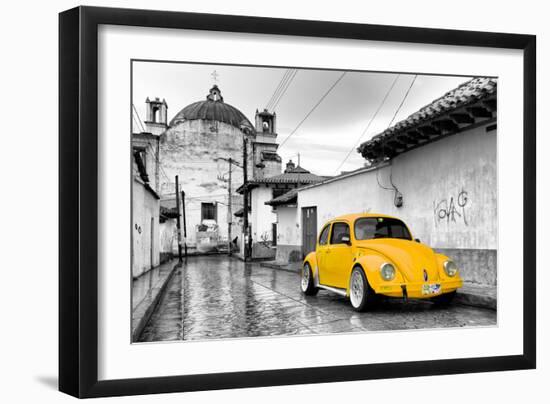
(352, 216)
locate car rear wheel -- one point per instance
(307, 283)
(361, 295)
(444, 299)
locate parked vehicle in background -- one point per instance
(207, 236)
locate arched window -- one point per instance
(155, 114)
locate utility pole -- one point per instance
(178, 225)
(245, 198)
(231, 162)
(230, 218)
(184, 222)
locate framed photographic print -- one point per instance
(251, 201)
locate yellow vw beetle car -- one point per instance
(365, 256)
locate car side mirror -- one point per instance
(345, 240)
(417, 240)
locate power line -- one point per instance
(161, 170)
(394, 188)
(287, 74)
(403, 100)
(277, 88)
(139, 119)
(148, 144)
(369, 123)
(136, 123)
(294, 73)
(159, 165)
(313, 109)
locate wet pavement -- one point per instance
(222, 297)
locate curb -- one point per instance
(476, 300)
(280, 267)
(138, 328)
(465, 297)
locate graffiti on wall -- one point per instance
(265, 239)
(452, 209)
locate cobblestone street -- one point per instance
(222, 297)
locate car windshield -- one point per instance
(368, 228)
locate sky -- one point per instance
(335, 127)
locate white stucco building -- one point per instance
(263, 220)
(145, 204)
(436, 170)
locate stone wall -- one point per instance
(191, 150)
(476, 265)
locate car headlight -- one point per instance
(450, 268)
(387, 271)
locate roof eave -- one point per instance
(456, 114)
(448, 123)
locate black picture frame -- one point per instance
(78, 201)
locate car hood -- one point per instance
(411, 258)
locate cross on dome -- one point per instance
(215, 76)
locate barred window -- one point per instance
(208, 211)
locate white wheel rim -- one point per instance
(305, 278)
(357, 289)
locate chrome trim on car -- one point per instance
(316, 276)
(341, 292)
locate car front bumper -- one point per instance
(418, 290)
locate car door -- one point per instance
(339, 256)
(322, 252)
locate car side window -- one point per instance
(339, 230)
(323, 238)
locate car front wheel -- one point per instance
(361, 295)
(307, 285)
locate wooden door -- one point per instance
(152, 249)
(273, 234)
(309, 229)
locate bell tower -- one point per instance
(267, 162)
(157, 116)
(265, 123)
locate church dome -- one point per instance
(212, 109)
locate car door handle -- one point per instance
(327, 252)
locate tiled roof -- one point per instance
(168, 212)
(288, 197)
(290, 178)
(467, 94)
(298, 170)
(296, 175)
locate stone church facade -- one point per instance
(197, 145)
